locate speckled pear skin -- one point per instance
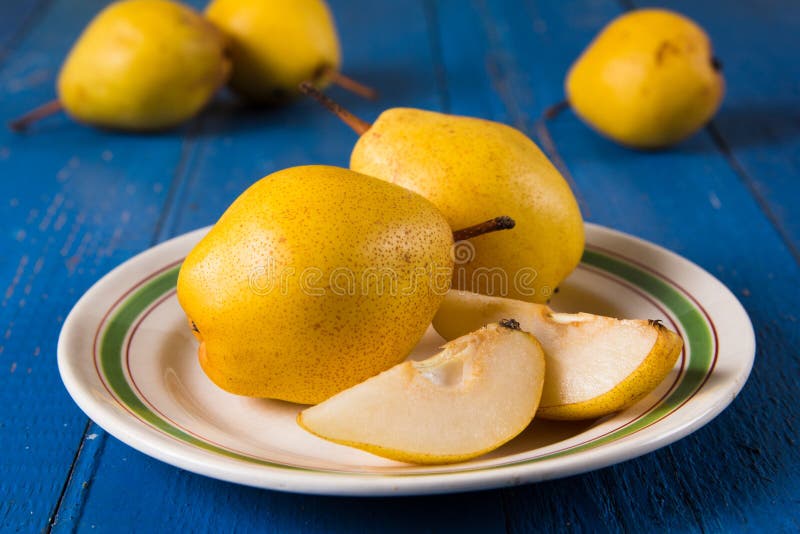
(268, 291)
(472, 169)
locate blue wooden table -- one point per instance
(75, 202)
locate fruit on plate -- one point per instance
(472, 169)
(140, 65)
(278, 44)
(478, 393)
(595, 365)
(315, 279)
(648, 80)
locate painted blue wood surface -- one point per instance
(75, 202)
(690, 200)
(759, 124)
(16, 18)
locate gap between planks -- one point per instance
(747, 180)
(26, 25)
(94, 447)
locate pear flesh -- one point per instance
(595, 365)
(478, 393)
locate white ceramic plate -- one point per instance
(128, 358)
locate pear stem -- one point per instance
(492, 225)
(349, 84)
(45, 110)
(345, 82)
(358, 125)
(553, 111)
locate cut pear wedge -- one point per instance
(595, 365)
(478, 393)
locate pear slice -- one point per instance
(478, 393)
(595, 365)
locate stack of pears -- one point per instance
(318, 281)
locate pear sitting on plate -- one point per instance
(478, 393)
(315, 279)
(472, 169)
(595, 365)
(140, 65)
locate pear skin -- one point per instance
(648, 80)
(315, 279)
(277, 44)
(473, 169)
(143, 65)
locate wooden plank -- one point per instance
(16, 19)
(732, 474)
(78, 201)
(388, 46)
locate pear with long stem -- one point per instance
(315, 279)
(472, 169)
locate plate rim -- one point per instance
(136, 434)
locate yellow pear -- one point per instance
(277, 44)
(478, 393)
(315, 279)
(648, 80)
(472, 169)
(140, 65)
(595, 365)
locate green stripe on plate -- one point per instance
(112, 360)
(698, 339)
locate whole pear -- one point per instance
(315, 279)
(471, 169)
(277, 44)
(143, 65)
(648, 80)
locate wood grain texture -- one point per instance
(16, 19)
(76, 201)
(758, 126)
